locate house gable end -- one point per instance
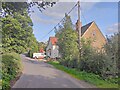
(85, 28)
(94, 33)
(49, 44)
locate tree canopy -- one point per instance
(17, 32)
(22, 7)
(67, 42)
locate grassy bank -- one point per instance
(11, 67)
(88, 77)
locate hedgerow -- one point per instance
(11, 66)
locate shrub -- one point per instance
(11, 63)
(102, 62)
(5, 85)
(11, 66)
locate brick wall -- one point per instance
(93, 33)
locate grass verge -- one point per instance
(88, 77)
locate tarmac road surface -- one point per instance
(38, 74)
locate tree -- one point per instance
(111, 49)
(104, 62)
(12, 35)
(67, 42)
(91, 60)
(42, 45)
(11, 7)
(17, 33)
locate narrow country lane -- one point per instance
(37, 74)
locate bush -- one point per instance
(5, 85)
(99, 62)
(11, 66)
(94, 63)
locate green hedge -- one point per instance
(11, 66)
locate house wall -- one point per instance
(94, 33)
(49, 47)
(53, 53)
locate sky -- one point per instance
(105, 15)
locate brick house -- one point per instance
(91, 31)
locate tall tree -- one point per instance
(17, 35)
(17, 32)
(41, 45)
(67, 42)
(111, 49)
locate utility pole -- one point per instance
(79, 10)
(79, 29)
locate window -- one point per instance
(50, 53)
(94, 33)
(94, 36)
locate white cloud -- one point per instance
(53, 14)
(61, 8)
(113, 28)
(38, 19)
(57, 12)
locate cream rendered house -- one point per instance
(52, 49)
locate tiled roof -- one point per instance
(41, 50)
(85, 27)
(53, 40)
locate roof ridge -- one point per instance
(88, 23)
(53, 40)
